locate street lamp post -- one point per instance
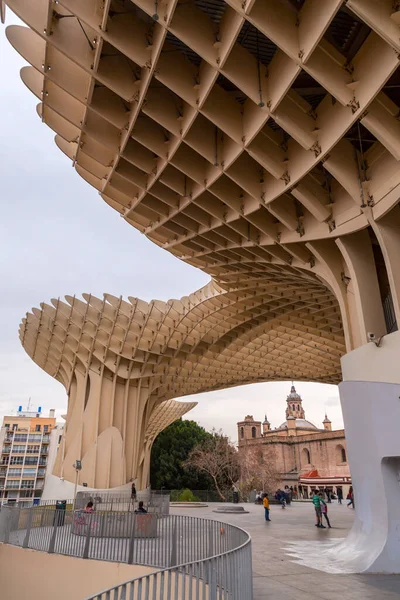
(78, 467)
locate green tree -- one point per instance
(170, 450)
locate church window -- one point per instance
(293, 408)
(253, 432)
(305, 457)
(341, 456)
(242, 432)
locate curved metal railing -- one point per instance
(194, 558)
(225, 576)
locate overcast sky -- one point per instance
(58, 237)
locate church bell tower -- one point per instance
(294, 405)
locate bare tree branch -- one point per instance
(258, 470)
(218, 458)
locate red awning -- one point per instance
(310, 474)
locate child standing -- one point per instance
(324, 509)
(266, 507)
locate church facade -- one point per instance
(307, 457)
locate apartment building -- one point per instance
(25, 441)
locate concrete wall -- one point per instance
(41, 576)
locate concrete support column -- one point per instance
(387, 231)
(106, 420)
(370, 401)
(363, 288)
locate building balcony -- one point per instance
(35, 437)
(6, 450)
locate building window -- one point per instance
(27, 483)
(253, 432)
(340, 455)
(37, 428)
(305, 457)
(7, 425)
(15, 427)
(241, 434)
(33, 449)
(45, 428)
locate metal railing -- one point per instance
(122, 501)
(195, 558)
(225, 576)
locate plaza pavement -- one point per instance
(275, 574)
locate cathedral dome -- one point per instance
(300, 423)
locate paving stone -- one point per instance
(276, 575)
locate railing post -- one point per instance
(54, 533)
(41, 517)
(5, 511)
(28, 528)
(212, 581)
(172, 560)
(132, 541)
(87, 540)
(211, 539)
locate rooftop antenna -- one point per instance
(29, 404)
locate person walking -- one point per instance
(266, 507)
(280, 496)
(133, 494)
(317, 506)
(324, 510)
(350, 497)
(339, 492)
